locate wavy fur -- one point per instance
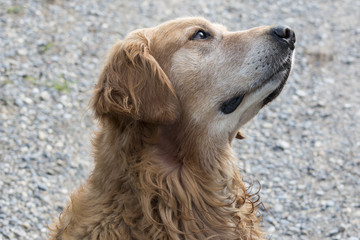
(159, 173)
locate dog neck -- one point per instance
(140, 165)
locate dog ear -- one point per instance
(132, 84)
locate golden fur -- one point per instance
(164, 167)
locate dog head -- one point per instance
(191, 72)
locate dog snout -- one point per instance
(284, 34)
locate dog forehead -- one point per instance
(183, 23)
(180, 29)
(166, 39)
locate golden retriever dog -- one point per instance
(170, 101)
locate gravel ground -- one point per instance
(304, 148)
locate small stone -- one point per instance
(301, 93)
(271, 229)
(35, 91)
(55, 58)
(42, 135)
(283, 144)
(48, 148)
(19, 102)
(336, 231)
(64, 100)
(294, 229)
(321, 103)
(329, 80)
(347, 105)
(26, 225)
(28, 101)
(330, 203)
(44, 96)
(42, 188)
(267, 125)
(278, 208)
(22, 51)
(319, 193)
(352, 238)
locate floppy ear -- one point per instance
(132, 84)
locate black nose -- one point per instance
(284, 33)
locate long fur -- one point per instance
(135, 196)
(148, 183)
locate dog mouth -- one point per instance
(280, 73)
(262, 92)
(232, 104)
(284, 71)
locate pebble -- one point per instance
(28, 101)
(22, 51)
(336, 231)
(42, 135)
(45, 96)
(271, 229)
(319, 193)
(278, 208)
(283, 144)
(301, 93)
(19, 102)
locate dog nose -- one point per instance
(286, 34)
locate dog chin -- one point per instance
(254, 101)
(281, 77)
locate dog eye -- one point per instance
(201, 34)
(230, 105)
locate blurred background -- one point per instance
(304, 148)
